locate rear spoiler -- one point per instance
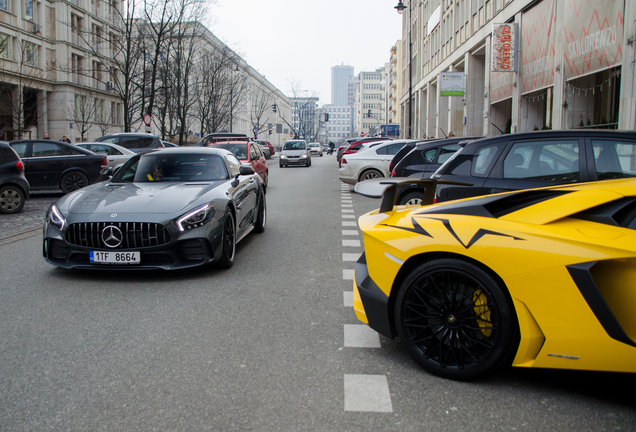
(387, 188)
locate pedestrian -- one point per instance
(450, 134)
(46, 136)
(65, 139)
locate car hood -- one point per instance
(294, 152)
(154, 198)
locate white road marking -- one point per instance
(349, 223)
(350, 257)
(354, 243)
(347, 210)
(348, 216)
(349, 232)
(347, 298)
(361, 336)
(347, 274)
(367, 393)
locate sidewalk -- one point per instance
(29, 221)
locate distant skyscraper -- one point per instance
(340, 76)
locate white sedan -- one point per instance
(115, 154)
(370, 162)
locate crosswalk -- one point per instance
(364, 393)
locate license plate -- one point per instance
(113, 257)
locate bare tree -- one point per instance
(305, 108)
(259, 112)
(83, 113)
(18, 91)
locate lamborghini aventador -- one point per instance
(541, 278)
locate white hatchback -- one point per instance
(370, 162)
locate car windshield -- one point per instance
(239, 150)
(162, 167)
(294, 145)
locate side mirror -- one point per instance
(246, 170)
(108, 171)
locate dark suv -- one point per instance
(14, 187)
(536, 159)
(422, 160)
(136, 142)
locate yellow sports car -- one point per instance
(534, 278)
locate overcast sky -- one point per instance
(300, 40)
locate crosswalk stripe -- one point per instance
(347, 298)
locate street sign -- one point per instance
(291, 134)
(147, 119)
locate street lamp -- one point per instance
(232, 96)
(400, 8)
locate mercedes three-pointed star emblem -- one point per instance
(112, 236)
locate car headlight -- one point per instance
(55, 218)
(304, 155)
(283, 156)
(196, 218)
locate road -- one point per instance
(270, 344)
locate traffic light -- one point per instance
(274, 107)
(369, 114)
(326, 117)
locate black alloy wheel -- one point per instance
(455, 319)
(73, 181)
(228, 242)
(261, 218)
(12, 199)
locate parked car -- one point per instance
(14, 187)
(351, 141)
(264, 150)
(136, 142)
(221, 136)
(116, 155)
(295, 152)
(315, 148)
(247, 152)
(536, 159)
(267, 144)
(539, 278)
(369, 163)
(168, 144)
(359, 145)
(166, 208)
(53, 165)
(422, 161)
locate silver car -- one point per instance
(315, 148)
(115, 154)
(295, 152)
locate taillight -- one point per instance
(104, 161)
(20, 166)
(393, 173)
(343, 161)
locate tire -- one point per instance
(12, 199)
(228, 241)
(281, 165)
(412, 198)
(266, 180)
(455, 319)
(261, 218)
(370, 174)
(73, 181)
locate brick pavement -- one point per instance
(29, 221)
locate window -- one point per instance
(28, 10)
(46, 150)
(30, 54)
(483, 159)
(543, 161)
(614, 159)
(4, 44)
(4, 5)
(446, 152)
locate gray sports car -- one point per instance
(168, 208)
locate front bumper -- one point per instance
(371, 304)
(293, 161)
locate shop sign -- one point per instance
(593, 36)
(538, 28)
(451, 84)
(504, 47)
